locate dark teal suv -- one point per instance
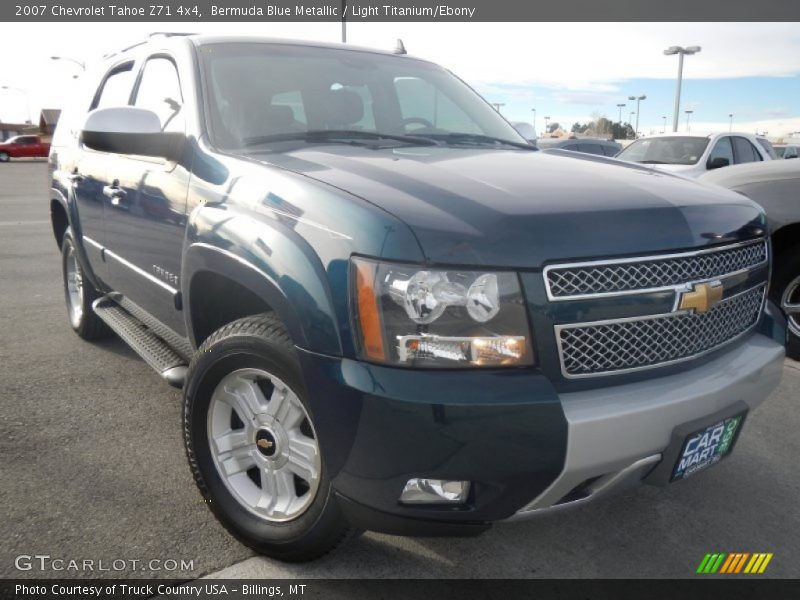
(385, 310)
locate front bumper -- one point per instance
(617, 435)
(525, 447)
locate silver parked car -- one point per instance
(693, 154)
(776, 186)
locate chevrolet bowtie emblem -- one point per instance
(702, 297)
(265, 444)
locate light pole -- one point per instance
(546, 124)
(688, 114)
(680, 51)
(730, 125)
(638, 99)
(498, 105)
(82, 65)
(27, 100)
(534, 118)
(620, 107)
(664, 126)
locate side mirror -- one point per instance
(130, 130)
(718, 163)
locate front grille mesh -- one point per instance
(591, 279)
(592, 349)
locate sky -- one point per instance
(569, 72)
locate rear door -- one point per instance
(145, 219)
(89, 174)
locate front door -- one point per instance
(145, 213)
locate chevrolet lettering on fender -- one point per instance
(386, 310)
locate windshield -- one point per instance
(780, 151)
(673, 150)
(273, 97)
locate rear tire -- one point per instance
(785, 292)
(79, 293)
(251, 443)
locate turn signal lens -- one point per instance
(368, 316)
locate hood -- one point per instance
(522, 209)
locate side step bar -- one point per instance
(142, 340)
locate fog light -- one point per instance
(434, 491)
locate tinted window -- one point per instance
(610, 150)
(767, 146)
(779, 150)
(160, 91)
(116, 88)
(722, 149)
(745, 151)
(591, 148)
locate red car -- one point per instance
(23, 146)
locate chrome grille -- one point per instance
(643, 274)
(616, 346)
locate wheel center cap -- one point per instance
(265, 442)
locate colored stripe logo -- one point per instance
(735, 562)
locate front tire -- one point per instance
(79, 293)
(785, 291)
(251, 443)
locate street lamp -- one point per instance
(27, 100)
(688, 114)
(680, 51)
(82, 65)
(620, 107)
(638, 99)
(534, 118)
(664, 126)
(546, 124)
(730, 125)
(497, 105)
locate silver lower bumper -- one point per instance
(616, 435)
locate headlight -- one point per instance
(416, 317)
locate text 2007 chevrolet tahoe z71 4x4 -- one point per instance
(386, 311)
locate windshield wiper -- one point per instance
(477, 139)
(342, 136)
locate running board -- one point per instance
(142, 340)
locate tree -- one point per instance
(553, 127)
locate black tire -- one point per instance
(259, 342)
(88, 325)
(785, 272)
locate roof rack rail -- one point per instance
(150, 35)
(171, 33)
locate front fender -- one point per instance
(261, 257)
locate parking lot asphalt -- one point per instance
(92, 466)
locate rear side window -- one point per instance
(745, 151)
(722, 149)
(116, 87)
(767, 146)
(591, 148)
(610, 150)
(160, 91)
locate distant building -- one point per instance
(9, 130)
(48, 119)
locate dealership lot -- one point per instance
(93, 465)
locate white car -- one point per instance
(692, 154)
